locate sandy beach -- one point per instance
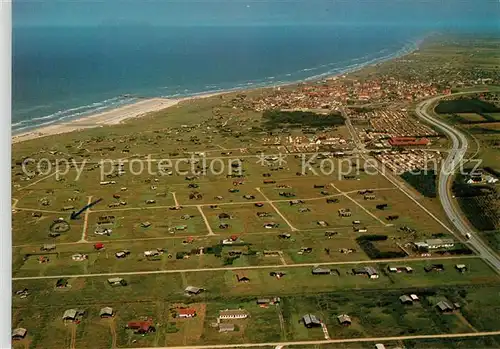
(109, 117)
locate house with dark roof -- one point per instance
(434, 267)
(321, 271)
(404, 299)
(371, 272)
(310, 321)
(226, 327)
(445, 307)
(242, 278)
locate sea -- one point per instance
(61, 74)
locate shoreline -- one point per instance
(107, 118)
(138, 109)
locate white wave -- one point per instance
(72, 112)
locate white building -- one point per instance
(233, 314)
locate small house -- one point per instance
(98, 246)
(71, 314)
(78, 257)
(191, 290)
(122, 254)
(344, 319)
(233, 314)
(414, 297)
(266, 301)
(368, 271)
(400, 269)
(439, 243)
(226, 327)
(444, 307)
(271, 253)
(434, 267)
(48, 247)
(141, 327)
(321, 271)
(404, 299)
(461, 268)
(19, 333)
(186, 313)
(106, 312)
(277, 274)
(145, 224)
(242, 278)
(345, 212)
(379, 346)
(153, 253)
(117, 282)
(61, 283)
(310, 321)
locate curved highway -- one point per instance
(454, 159)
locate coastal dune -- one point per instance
(110, 117)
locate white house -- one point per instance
(233, 314)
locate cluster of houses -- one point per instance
(445, 306)
(370, 272)
(408, 299)
(311, 321)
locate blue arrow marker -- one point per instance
(74, 215)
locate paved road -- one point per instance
(333, 341)
(250, 267)
(454, 159)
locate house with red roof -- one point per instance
(186, 313)
(407, 141)
(141, 327)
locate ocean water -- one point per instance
(60, 74)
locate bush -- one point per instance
(278, 119)
(424, 182)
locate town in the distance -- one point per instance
(354, 211)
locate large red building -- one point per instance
(407, 141)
